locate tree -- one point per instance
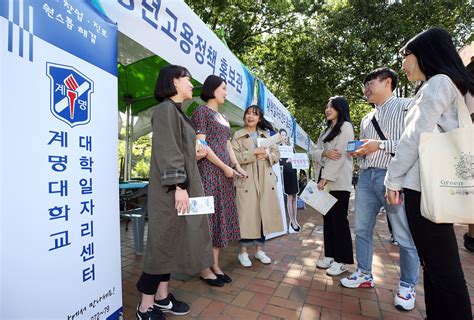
(308, 51)
(245, 23)
(141, 156)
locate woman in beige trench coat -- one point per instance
(175, 243)
(257, 200)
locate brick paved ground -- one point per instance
(291, 287)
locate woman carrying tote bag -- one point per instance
(431, 58)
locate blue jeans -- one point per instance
(369, 198)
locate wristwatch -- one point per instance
(382, 145)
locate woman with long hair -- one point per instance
(431, 59)
(217, 170)
(290, 183)
(175, 243)
(334, 171)
(257, 200)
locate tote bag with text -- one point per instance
(447, 171)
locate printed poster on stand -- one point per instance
(60, 236)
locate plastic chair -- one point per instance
(132, 210)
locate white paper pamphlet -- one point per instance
(267, 143)
(200, 205)
(320, 200)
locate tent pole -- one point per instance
(130, 144)
(127, 144)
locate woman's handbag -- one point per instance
(447, 171)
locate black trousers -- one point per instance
(337, 235)
(446, 295)
(148, 283)
(389, 226)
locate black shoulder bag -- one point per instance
(379, 131)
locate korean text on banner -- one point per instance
(302, 138)
(59, 209)
(171, 30)
(274, 110)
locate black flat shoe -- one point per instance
(296, 229)
(224, 277)
(213, 282)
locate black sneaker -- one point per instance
(153, 313)
(468, 242)
(173, 306)
(393, 241)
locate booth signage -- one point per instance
(60, 236)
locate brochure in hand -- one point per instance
(320, 200)
(199, 205)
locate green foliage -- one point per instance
(246, 22)
(141, 155)
(308, 51)
(141, 169)
(358, 111)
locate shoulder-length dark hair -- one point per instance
(210, 85)
(165, 87)
(263, 124)
(436, 54)
(342, 107)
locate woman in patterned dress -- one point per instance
(218, 169)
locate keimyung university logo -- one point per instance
(70, 94)
(464, 166)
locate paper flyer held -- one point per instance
(267, 143)
(200, 205)
(320, 200)
(200, 142)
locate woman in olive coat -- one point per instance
(175, 243)
(257, 201)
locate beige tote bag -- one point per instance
(447, 171)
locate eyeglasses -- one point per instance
(369, 83)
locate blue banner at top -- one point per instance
(73, 26)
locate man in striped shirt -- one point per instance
(374, 156)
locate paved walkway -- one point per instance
(291, 287)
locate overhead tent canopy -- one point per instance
(138, 69)
(169, 32)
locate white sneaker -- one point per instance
(405, 297)
(358, 280)
(325, 263)
(262, 256)
(336, 269)
(244, 260)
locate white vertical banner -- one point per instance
(302, 138)
(59, 236)
(275, 111)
